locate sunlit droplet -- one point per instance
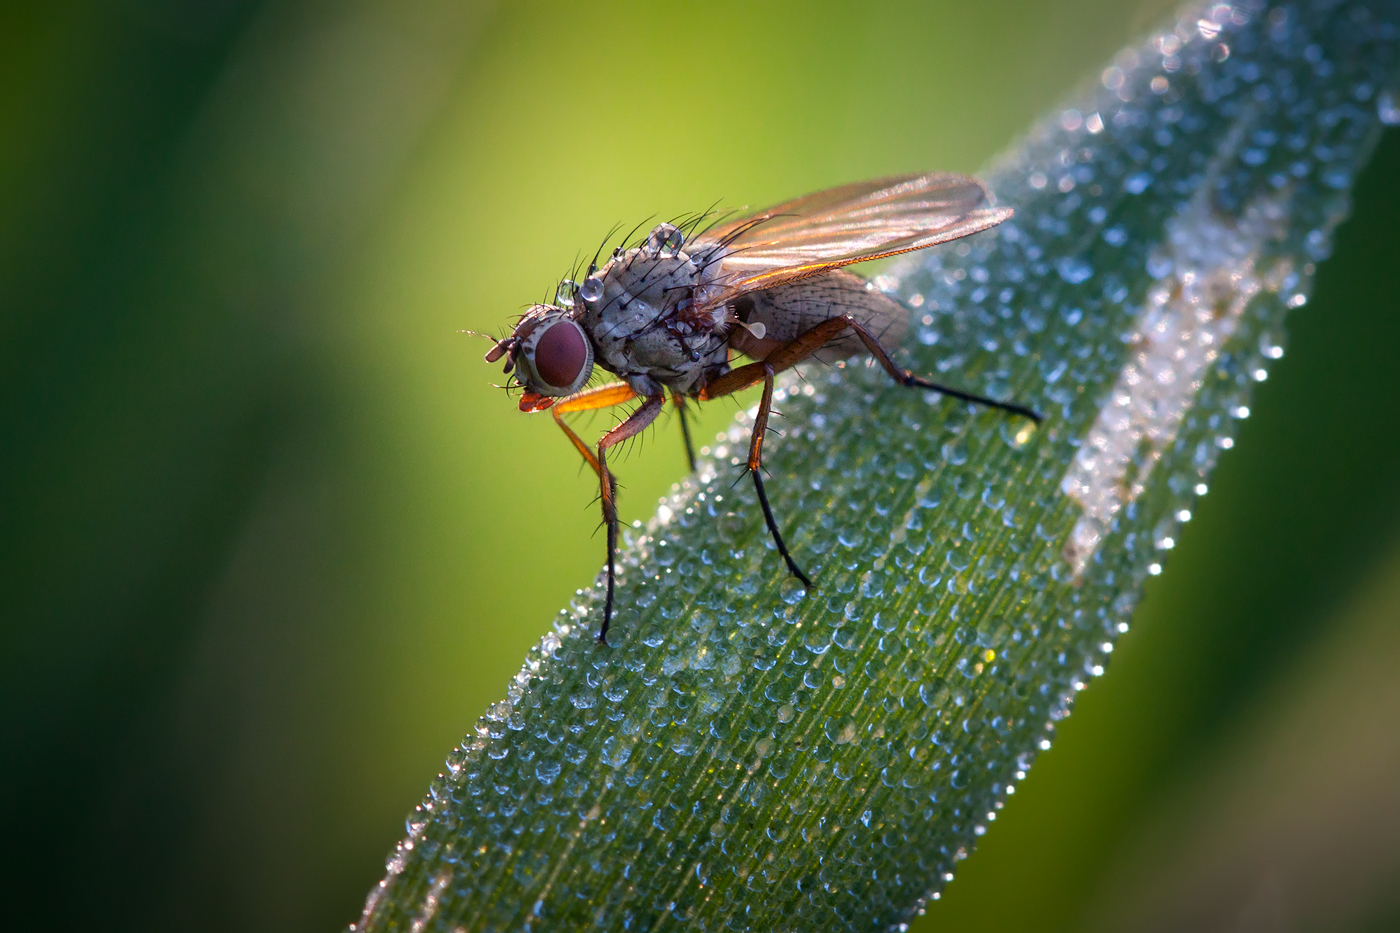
(1388, 107)
(591, 289)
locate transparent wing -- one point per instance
(839, 226)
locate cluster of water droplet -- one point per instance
(751, 755)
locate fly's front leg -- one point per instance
(755, 468)
(606, 396)
(634, 425)
(614, 393)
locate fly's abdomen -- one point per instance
(788, 311)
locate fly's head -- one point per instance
(549, 353)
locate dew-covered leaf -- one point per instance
(751, 756)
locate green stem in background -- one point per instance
(750, 755)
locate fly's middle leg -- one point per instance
(755, 469)
(681, 413)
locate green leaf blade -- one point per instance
(750, 756)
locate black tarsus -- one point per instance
(906, 377)
(612, 565)
(792, 567)
(912, 381)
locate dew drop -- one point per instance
(664, 237)
(616, 752)
(792, 591)
(1388, 107)
(1074, 270)
(547, 771)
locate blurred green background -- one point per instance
(272, 542)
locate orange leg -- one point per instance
(634, 425)
(616, 393)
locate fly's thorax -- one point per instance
(643, 317)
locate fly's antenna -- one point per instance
(503, 345)
(477, 333)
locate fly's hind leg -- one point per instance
(907, 377)
(733, 381)
(794, 352)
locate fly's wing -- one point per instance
(839, 226)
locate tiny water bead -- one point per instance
(755, 755)
(592, 288)
(1388, 107)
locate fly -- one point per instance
(668, 316)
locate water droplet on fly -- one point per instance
(666, 237)
(591, 289)
(564, 294)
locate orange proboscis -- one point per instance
(533, 401)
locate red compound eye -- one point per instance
(561, 354)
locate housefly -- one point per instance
(669, 314)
